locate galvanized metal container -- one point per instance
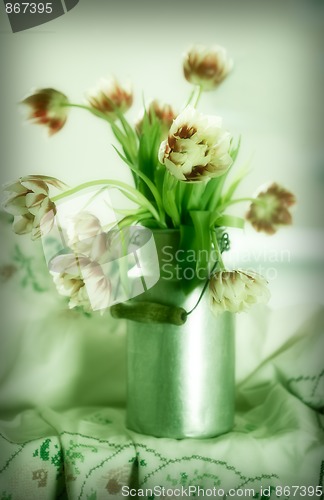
(180, 378)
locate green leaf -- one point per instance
(134, 195)
(212, 197)
(132, 218)
(201, 222)
(120, 136)
(147, 181)
(235, 150)
(212, 193)
(130, 192)
(245, 170)
(149, 142)
(128, 129)
(126, 143)
(169, 198)
(124, 158)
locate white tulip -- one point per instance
(197, 147)
(236, 291)
(86, 236)
(206, 67)
(110, 96)
(30, 204)
(82, 280)
(270, 210)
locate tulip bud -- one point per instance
(82, 281)
(236, 291)
(270, 210)
(48, 108)
(163, 113)
(110, 97)
(30, 204)
(206, 67)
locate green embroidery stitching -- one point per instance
(306, 378)
(263, 497)
(104, 441)
(196, 480)
(43, 452)
(188, 459)
(57, 460)
(149, 450)
(25, 264)
(222, 463)
(137, 462)
(258, 478)
(12, 458)
(72, 456)
(98, 466)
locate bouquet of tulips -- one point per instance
(184, 178)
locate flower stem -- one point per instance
(88, 108)
(194, 96)
(238, 200)
(195, 103)
(140, 199)
(217, 250)
(149, 184)
(202, 292)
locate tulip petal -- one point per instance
(197, 147)
(53, 181)
(16, 205)
(15, 187)
(236, 291)
(35, 185)
(34, 201)
(44, 218)
(23, 225)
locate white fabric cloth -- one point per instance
(63, 393)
